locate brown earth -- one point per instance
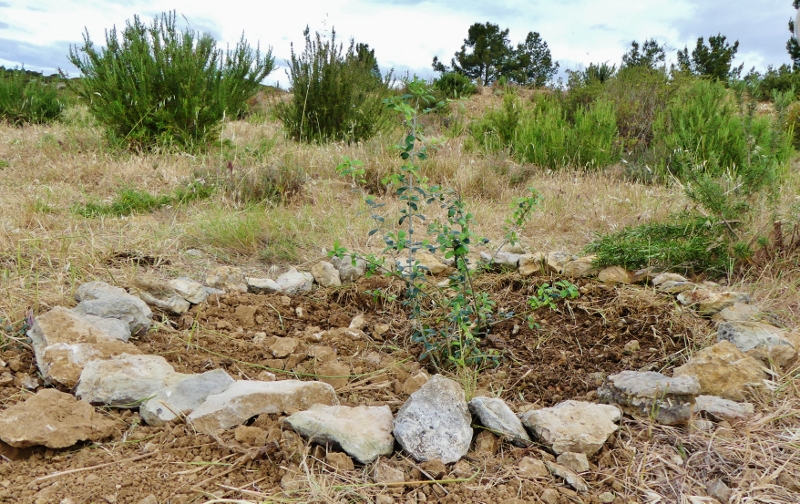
(558, 358)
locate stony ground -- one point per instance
(564, 356)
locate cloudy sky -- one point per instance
(406, 34)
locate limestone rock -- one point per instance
(340, 461)
(738, 312)
(501, 258)
(115, 328)
(556, 261)
(530, 264)
(723, 409)
(262, 285)
(245, 399)
(650, 394)
(434, 423)
(326, 275)
(349, 270)
(363, 432)
(573, 426)
(124, 381)
(182, 397)
(433, 264)
(413, 383)
(531, 468)
(52, 419)
(227, 278)
(614, 275)
(161, 296)
(708, 302)
(384, 473)
(495, 414)
(63, 363)
(294, 282)
(572, 478)
(580, 268)
(61, 325)
(667, 277)
(723, 370)
(189, 290)
(670, 287)
(103, 300)
(766, 342)
(575, 461)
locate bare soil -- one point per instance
(563, 356)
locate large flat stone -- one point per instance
(573, 426)
(724, 370)
(184, 396)
(363, 432)
(63, 363)
(708, 302)
(762, 341)
(245, 399)
(652, 395)
(103, 300)
(52, 419)
(435, 423)
(125, 381)
(723, 409)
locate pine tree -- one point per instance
(712, 60)
(485, 53)
(647, 55)
(532, 63)
(791, 45)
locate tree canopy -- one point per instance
(649, 54)
(712, 59)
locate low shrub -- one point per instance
(336, 94)
(454, 85)
(160, 86)
(25, 97)
(133, 201)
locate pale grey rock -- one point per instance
(708, 302)
(227, 278)
(530, 264)
(295, 282)
(326, 275)
(52, 419)
(572, 478)
(363, 432)
(762, 341)
(115, 328)
(573, 426)
(103, 300)
(495, 414)
(501, 259)
(262, 285)
(555, 261)
(434, 423)
(670, 287)
(183, 396)
(652, 395)
(245, 399)
(667, 277)
(723, 409)
(738, 312)
(60, 325)
(188, 289)
(63, 363)
(349, 270)
(724, 370)
(125, 381)
(167, 301)
(575, 461)
(531, 468)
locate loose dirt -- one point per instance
(563, 355)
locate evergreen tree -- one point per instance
(485, 53)
(791, 45)
(532, 63)
(712, 60)
(648, 55)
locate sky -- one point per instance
(407, 34)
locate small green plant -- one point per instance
(158, 85)
(453, 85)
(336, 94)
(448, 321)
(548, 295)
(132, 201)
(25, 98)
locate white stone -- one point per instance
(262, 285)
(295, 282)
(182, 397)
(326, 275)
(125, 381)
(495, 414)
(573, 426)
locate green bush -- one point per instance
(544, 136)
(25, 97)
(133, 201)
(161, 86)
(454, 85)
(336, 95)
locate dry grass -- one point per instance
(46, 250)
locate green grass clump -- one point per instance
(133, 201)
(25, 98)
(691, 244)
(160, 86)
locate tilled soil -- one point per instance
(557, 354)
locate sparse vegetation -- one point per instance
(26, 98)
